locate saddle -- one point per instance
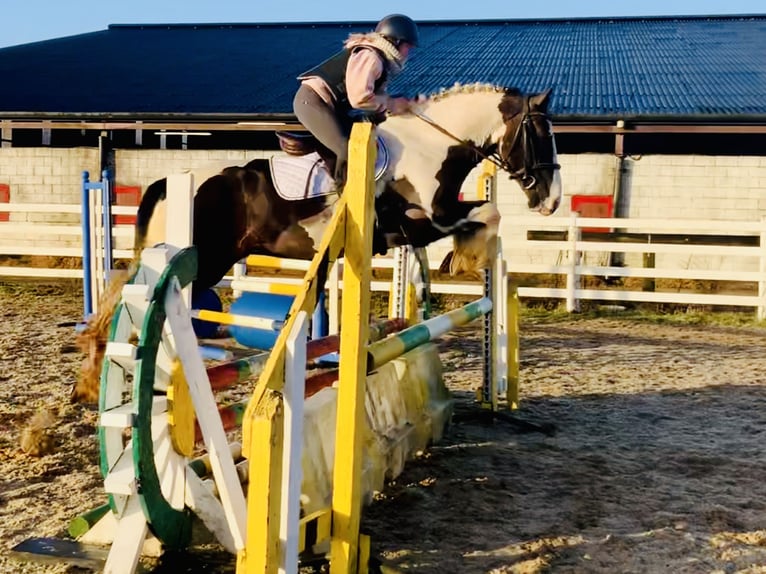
(301, 144)
(297, 144)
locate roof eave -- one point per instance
(147, 116)
(659, 119)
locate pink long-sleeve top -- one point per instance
(364, 69)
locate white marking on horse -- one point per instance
(418, 150)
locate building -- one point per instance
(665, 114)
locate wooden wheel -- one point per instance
(146, 429)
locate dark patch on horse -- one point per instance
(510, 105)
(447, 206)
(273, 223)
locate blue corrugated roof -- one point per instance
(597, 67)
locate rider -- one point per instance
(354, 80)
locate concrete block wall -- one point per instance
(142, 167)
(656, 186)
(697, 187)
(46, 175)
(683, 186)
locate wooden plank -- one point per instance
(132, 530)
(638, 224)
(647, 237)
(264, 430)
(512, 347)
(292, 474)
(55, 551)
(222, 464)
(122, 416)
(122, 478)
(209, 509)
(7, 271)
(355, 309)
(643, 296)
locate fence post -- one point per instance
(106, 218)
(573, 278)
(86, 247)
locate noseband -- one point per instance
(523, 136)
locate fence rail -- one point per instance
(568, 243)
(749, 258)
(22, 237)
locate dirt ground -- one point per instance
(657, 464)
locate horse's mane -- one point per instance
(475, 88)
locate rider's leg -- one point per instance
(320, 119)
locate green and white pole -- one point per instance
(391, 347)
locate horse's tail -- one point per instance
(92, 339)
(155, 193)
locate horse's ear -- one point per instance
(540, 101)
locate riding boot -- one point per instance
(341, 171)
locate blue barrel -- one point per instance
(266, 306)
(208, 300)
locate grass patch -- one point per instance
(554, 311)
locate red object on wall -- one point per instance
(593, 206)
(5, 197)
(126, 195)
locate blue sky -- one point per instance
(34, 20)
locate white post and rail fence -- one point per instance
(671, 258)
(676, 260)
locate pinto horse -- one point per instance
(432, 149)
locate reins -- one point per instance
(494, 158)
(521, 174)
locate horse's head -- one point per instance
(527, 149)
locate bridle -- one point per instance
(523, 135)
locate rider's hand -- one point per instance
(398, 106)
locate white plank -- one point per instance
(122, 354)
(170, 465)
(121, 478)
(232, 495)
(209, 509)
(7, 271)
(131, 532)
(292, 475)
(122, 416)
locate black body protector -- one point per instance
(333, 72)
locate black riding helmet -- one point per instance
(398, 28)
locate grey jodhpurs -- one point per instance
(323, 122)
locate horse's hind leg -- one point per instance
(473, 237)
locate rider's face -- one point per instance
(404, 49)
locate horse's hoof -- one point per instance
(446, 263)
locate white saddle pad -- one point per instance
(307, 176)
(301, 177)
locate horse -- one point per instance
(431, 150)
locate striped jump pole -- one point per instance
(234, 372)
(388, 349)
(238, 320)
